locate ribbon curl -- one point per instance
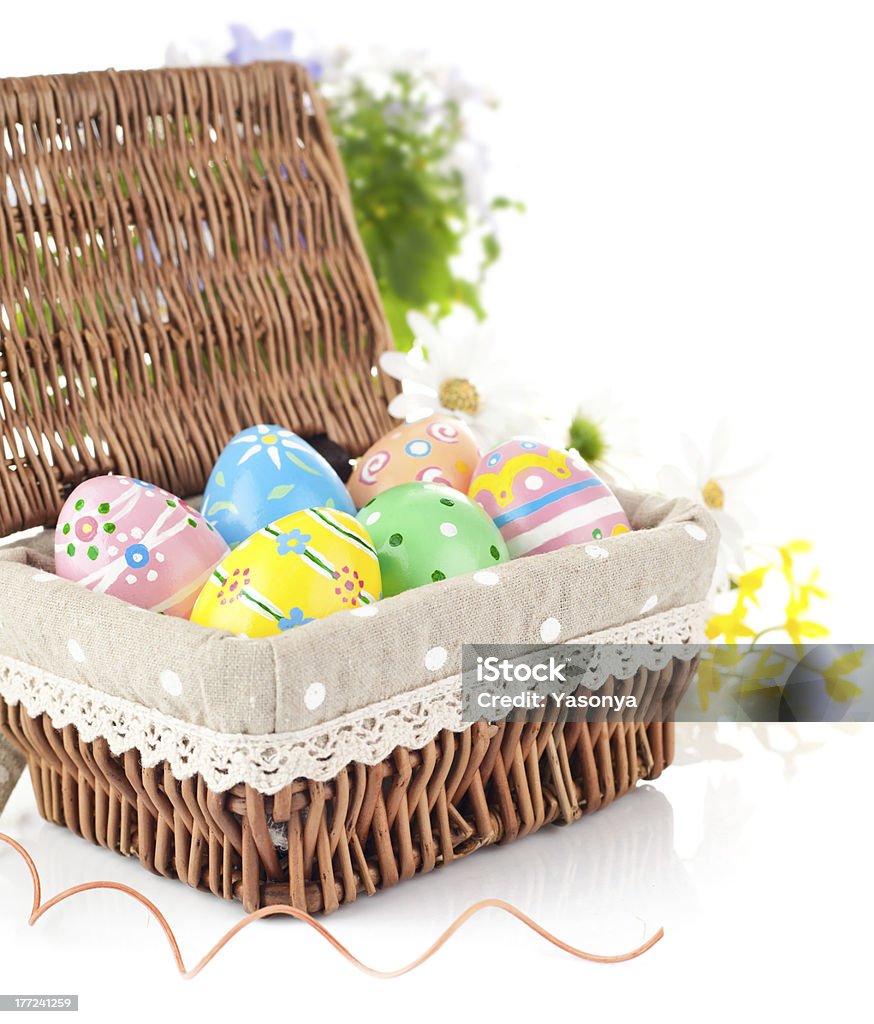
(39, 909)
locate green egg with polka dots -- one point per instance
(425, 533)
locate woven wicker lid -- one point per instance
(178, 260)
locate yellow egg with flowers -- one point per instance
(299, 568)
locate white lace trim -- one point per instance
(270, 762)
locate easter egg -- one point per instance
(439, 450)
(301, 567)
(263, 474)
(543, 498)
(424, 533)
(120, 536)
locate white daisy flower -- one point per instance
(336, 64)
(456, 369)
(269, 440)
(607, 435)
(470, 159)
(706, 479)
(451, 83)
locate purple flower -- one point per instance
(278, 45)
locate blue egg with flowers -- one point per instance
(264, 473)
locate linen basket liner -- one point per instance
(350, 687)
(368, 736)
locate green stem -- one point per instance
(764, 632)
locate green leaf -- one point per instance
(300, 464)
(221, 506)
(396, 313)
(491, 250)
(467, 293)
(280, 492)
(220, 479)
(412, 205)
(417, 269)
(505, 203)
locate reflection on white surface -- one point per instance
(614, 874)
(750, 857)
(618, 870)
(715, 741)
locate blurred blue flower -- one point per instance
(278, 45)
(295, 618)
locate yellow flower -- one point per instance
(798, 626)
(846, 663)
(787, 553)
(834, 676)
(767, 669)
(751, 582)
(705, 476)
(709, 681)
(727, 657)
(730, 626)
(808, 590)
(800, 630)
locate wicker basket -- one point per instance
(367, 829)
(179, 260)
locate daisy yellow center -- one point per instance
(270, 439)
(459, 395)
(713, 494)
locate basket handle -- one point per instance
(11, 767)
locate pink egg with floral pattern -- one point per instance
(120, 536)
(543, 498)
(436, 450)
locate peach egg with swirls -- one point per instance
(437, 450)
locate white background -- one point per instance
(698, 179)
(700, 188)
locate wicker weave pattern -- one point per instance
(178, 260)
(369, 827)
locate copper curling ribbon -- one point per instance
(39, 908)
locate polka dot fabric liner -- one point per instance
(310, 676)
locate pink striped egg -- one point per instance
(120, 536)
(543, 498)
